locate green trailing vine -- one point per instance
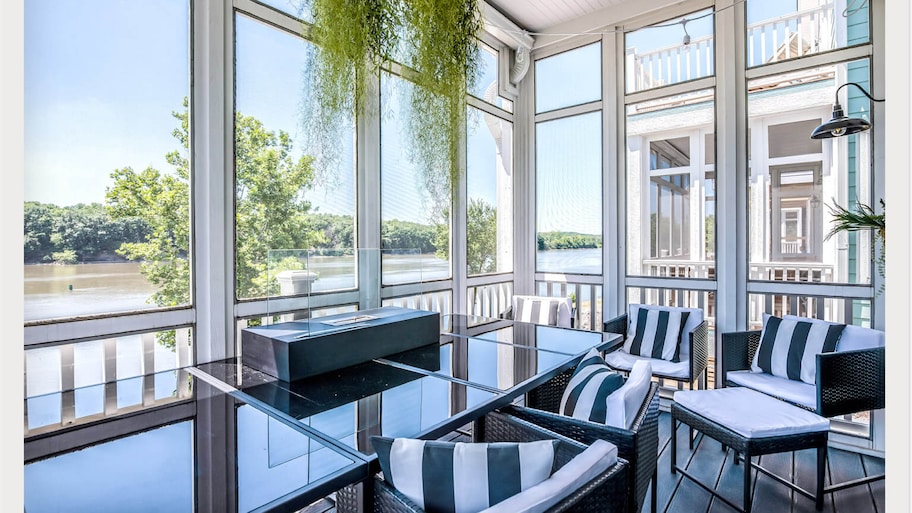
(434, 40)
(442, 49)
(353, 38)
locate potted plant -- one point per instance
(862, 217)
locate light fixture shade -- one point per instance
(841, 125)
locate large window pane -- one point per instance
(671, 212)
(414, 207)
(106, 84)
(670, 52)
(779, 30)
(569, 78)
(568, 197)
(286, 199)
(794, 179)
(489, 178)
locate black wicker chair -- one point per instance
(697, 348)
(847, 381)
(639, 445)
(604, 494)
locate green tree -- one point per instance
(271, 212)
(481, 237)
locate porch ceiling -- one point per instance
(539, 15)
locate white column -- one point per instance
(212, 167)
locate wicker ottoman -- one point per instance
(753, 424)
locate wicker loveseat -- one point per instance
(848, 380)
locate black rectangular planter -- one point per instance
(298, 349)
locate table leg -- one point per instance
(747, 481)
(821, 469)
(674, 446)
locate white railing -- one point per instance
(489, 300)
(812, 272)
(792, 35)
(587, 301)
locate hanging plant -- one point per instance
(443, 51)
(439, 53)
(353, 38)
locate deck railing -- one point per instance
(792, 35)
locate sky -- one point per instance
(99, 96)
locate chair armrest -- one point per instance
(606, 492)
(617, 325)
(390, 500)
(699, 349)
(506, 314)
(850, 381)
(639, 445)
(738, 348)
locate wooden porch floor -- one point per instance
(709, 463)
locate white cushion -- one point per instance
(466, 477)
(585, 467)
(626, 401)
(750, 413)
(791, 390)
(694, 318)
(856, 337)
(789, 346)
(586, 395)
(624, 361)
(538, 310)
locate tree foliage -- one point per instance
(82, 233)
(567, 240)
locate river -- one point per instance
(56, 291)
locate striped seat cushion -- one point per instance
(655, 332)
(587, 393)
(789, 346)
(448, 477)
(536, 310)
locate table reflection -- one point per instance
(352, 404)
(178, 457)
(565, 341)
(483, 362)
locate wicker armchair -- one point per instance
(848, 381)
(639, 445)
(694, 351)
(606, 493)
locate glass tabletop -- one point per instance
(483, 362)
(178, 456)
(566, 341)
(374, 398)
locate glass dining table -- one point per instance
(479, 364)
(245, 441)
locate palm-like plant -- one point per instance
(862, 217)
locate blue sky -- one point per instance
(99, 96)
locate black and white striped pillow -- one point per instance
(789, 347)
(586, 395)
(448, 477)
(656, 333)
(536, 310)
